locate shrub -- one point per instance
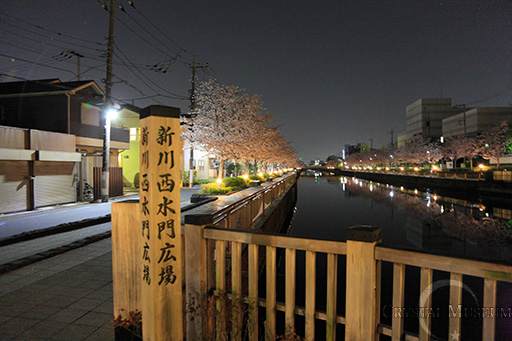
(267, 175)
(235, 183)
(186, 178)
(206, 181)
(256, 177)
(213, 188)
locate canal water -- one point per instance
(426, 221)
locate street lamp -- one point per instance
(110, 113)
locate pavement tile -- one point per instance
(16, 309)
(17, 296)
(40, 298)
(4, 318)
(78, 292)
(41, 312)
(94, 319)
(102, 334)
(106, 307)
(61, 301)
(44, 330)
(8, 278)
(17, 326)
(86, 303)
(74, 332)
(101, 295)
(38, 287)
(68, 315)
(94, 284)
(56, 290)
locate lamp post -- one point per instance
(107, 106)
(110, 114)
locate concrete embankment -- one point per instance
(474, 187)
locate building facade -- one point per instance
(52, 121)
(424, 119)
(474, 121)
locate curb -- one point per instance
(19, 263)
(66, 227)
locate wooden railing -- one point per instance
(224, 267)
(490, 272)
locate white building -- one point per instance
(474, 121)
(424, 119)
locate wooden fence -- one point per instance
(115, 182)
(223, 265)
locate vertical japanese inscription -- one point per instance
(158, 203)
(160, 228)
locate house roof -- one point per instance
(46, 86)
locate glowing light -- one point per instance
(434, 197)
(245, 176)
(401, 188)
(415, 191)
(416, 169)
(481, 166)
(260, 174)
(219, 181)
(391, 194)
(401, 168)
(112, 113)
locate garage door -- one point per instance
(54, 183)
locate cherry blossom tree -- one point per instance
(232, 125)
(459, 147)
(493, 142)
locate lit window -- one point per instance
(133, 134)
(201, 165)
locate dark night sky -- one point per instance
(332, 72)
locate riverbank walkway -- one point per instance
(67, 296)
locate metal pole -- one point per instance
(106, 105)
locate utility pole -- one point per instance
(392, 141)
(78, 56)
(106, 105)
(371, 143)
(193, 66)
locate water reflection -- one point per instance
(408, 217)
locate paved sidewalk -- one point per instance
(66, 297)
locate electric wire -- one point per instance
(161, 32)
(149, 79)
(47, 29)
(36, 63)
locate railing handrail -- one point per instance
(501, 272)
(275, 240)
(215, 217)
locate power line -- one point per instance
(159, 30)
(36, 63)
(46, 29)
(51, 38)
(491, 96)
(175, 96)
(151, 35)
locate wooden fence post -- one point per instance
(361, 313)
(196, 281)
(126, 263)
(161, 254)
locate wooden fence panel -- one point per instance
(115, 182)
